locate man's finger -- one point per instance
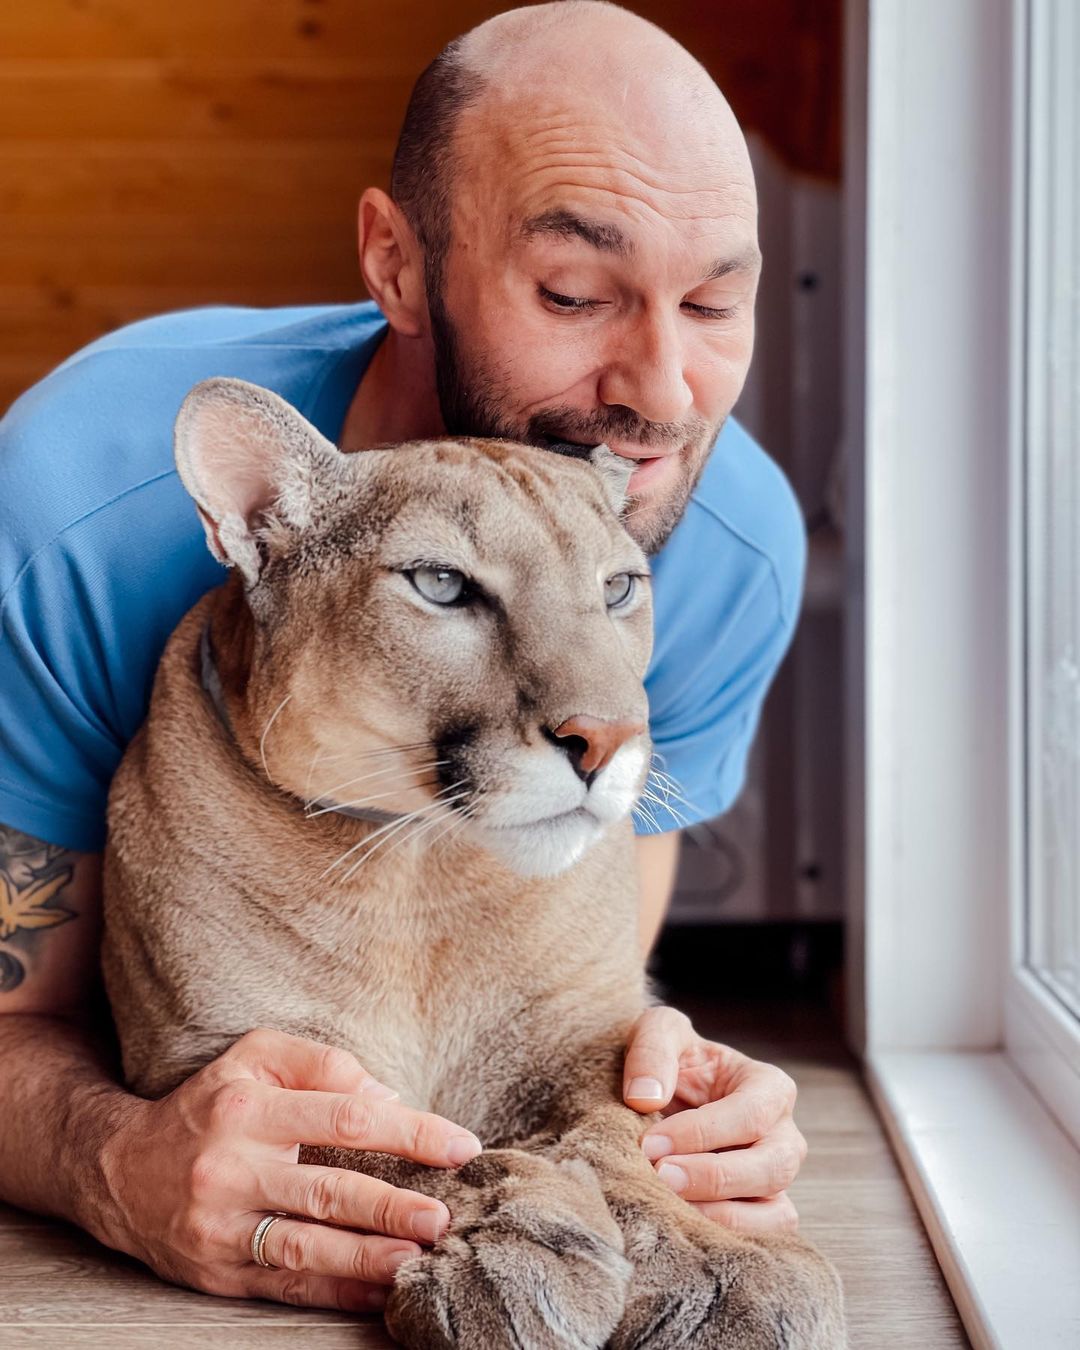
(651, 1066)
(349, 1200)
(737, 1173)
(742, 1117)
(314, 1249)
(776, 1214)
(290, 1061)
(343, 1120)
(315, 1291)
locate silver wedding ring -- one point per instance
(258, 1239)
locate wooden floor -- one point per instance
(58, 1288)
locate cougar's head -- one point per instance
(454, 631)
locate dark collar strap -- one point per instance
(211, 682)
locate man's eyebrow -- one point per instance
(747, 260)
(567, 225)
(609, 238)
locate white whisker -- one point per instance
(392, 749)
(376, 773)
(462, 819)
(675, 815)
(311, 769)
(666, 804)
(266, 731)
(420, 830)
(644, 810)
(390, 825)
(386, 768)
(671, 786)
(361, 801)
(367, 840)
(405, 820)
(668, 798)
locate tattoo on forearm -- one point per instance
(33, 875)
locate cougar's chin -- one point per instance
(544, 847)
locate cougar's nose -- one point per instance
(590, 742)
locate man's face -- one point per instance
(577, 302)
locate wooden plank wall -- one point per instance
(158, 155)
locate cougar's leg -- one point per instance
(695, 1283)
(532, 1259)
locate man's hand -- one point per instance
(739, 1106)
(190, 1176)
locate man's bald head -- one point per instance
(584, 206)
(535, 63)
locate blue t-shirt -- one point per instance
(101, 553)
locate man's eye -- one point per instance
(440, 585)
(708, 313)
(569, 302)
(574, 305)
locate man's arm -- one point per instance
(56, 1074)
(658, 861)
(716, 1102)
(175, 1182)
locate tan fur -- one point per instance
(499, 1000)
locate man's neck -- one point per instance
(396, 398)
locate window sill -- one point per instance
(997, 1183)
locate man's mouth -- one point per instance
(567, 446)
(646, 467)
(559, 442)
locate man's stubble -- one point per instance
(470, 406)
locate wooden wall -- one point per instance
(156, 154)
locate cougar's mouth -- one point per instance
(560, 818)
(542, 847)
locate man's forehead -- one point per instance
(679, 149)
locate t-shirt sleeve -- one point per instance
(701, 745)
(57, 752)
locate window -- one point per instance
(1044, 1032)
(963, 630)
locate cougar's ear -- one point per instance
(614, 471)
(249, 459)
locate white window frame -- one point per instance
(952, 1041)
(1040, 1035)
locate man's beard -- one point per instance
(470, 406)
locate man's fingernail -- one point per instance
(375, 1299)
(673, 1176)
(399, 1257)
(645, 1089)
(381, 1092)
(428, 1224)
(656, 1145)
(461, 1149)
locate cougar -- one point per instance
(383, 799)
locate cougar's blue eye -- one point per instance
(440, 585)
(618, 589)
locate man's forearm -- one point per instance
(59, 1103)
(658, 861)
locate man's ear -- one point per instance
(614, 471)
(250, 460)
(392, 263)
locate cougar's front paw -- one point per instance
(540, 1269)
(697, 1287)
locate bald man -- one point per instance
(568, 253)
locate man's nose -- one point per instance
(590, 742)
(645, 372)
